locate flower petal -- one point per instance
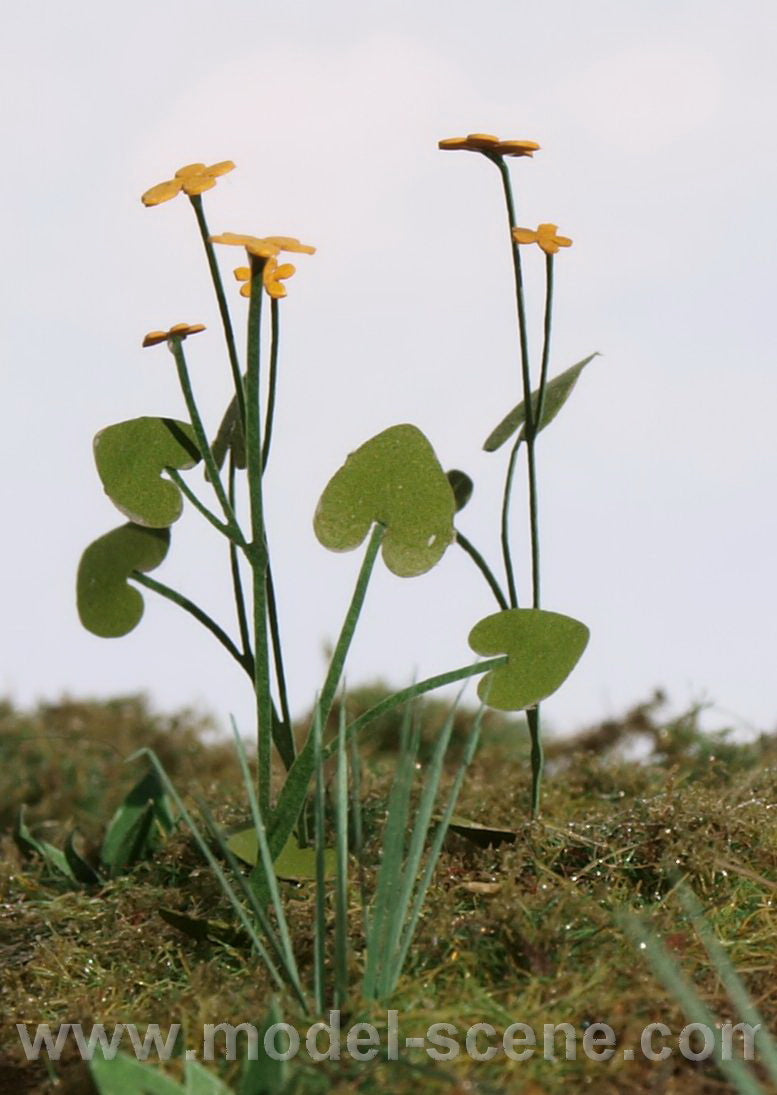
(518, 148)
(198, 184)
(524, 235)
(221, 168)
(190, 169)
(153, 338)
(289, 243)
(242, 273)
(162, 192)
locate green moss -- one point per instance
(525, 931)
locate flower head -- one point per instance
(487, 143)
(267, 247)
(545, 236)
(179, 330)
(272, 275)
(194, 178)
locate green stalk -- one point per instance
(284, 738)
(258, 547)
(229, 334)
(237, 582)
(175, 476)
(533, 715)
(349, 624)
(176, 349)
(243, 659)
(341, 889)
(272, 380)
(319, 935)
(470, 549)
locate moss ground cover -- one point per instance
(523, 930)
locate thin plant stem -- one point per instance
(319, 936)
(284, 739)
(272, 380)
(349, 624)
(176, 349)
(234, 565)
(176, 477)
(229, 334)
(467, 546)
(533, 715)
(243, 659)
(505, 524)
(258, 547)
(341, 886)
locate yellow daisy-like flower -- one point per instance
(486, 142)
(545, 236)
(194, 178)
(272, 276)
(179, 330)
(267, 247)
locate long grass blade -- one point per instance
(737, 993)
(667, 971)
(341, 891)
(319, 835)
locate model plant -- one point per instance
(392, 492)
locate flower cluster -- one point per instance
(487, 143)
(179, 330)
(273, 274)
(194, 178)
(267, 247)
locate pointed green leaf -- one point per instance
(230, 437)
(485, 836)
(201, 1082)
(396, 479)
(265, 1076)
(214, 931)
(83, 871)
(462, 487)
(542, 648)
(137, 826)
(124, 1075)
(107, 605)
(557, 391)
(294, 863)
(131, 457)
(29, 845)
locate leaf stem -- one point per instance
(258, 547)
(243, 659)
(482, 566)
(272, 380)
(234, 565)
(229, 334)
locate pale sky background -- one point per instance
(658, 124)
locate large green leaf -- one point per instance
(542, 650)
(295, 864)
(396, 479)
(131, 457)
(107, 605)
(557, 391)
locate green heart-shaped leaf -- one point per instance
(557, 392)
(294, 863)
(462, 487)
(107, 605)
(396, 479)
(131, 457)
(542, 650)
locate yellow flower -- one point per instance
(194, 178)
(272, 276)
(545, 236)
(268, 247)
(486, 142)
(179, 330)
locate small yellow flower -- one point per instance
(268, 247)
(194, 178)
(272, 276)
(179, 330)
(486, 142)
(545, 236)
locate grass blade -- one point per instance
(319, 935)
(341, 891)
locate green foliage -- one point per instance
(107, 605)
(142, 821)
(131, 457)
(555, 394)
(542, 650)
(394, 479)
